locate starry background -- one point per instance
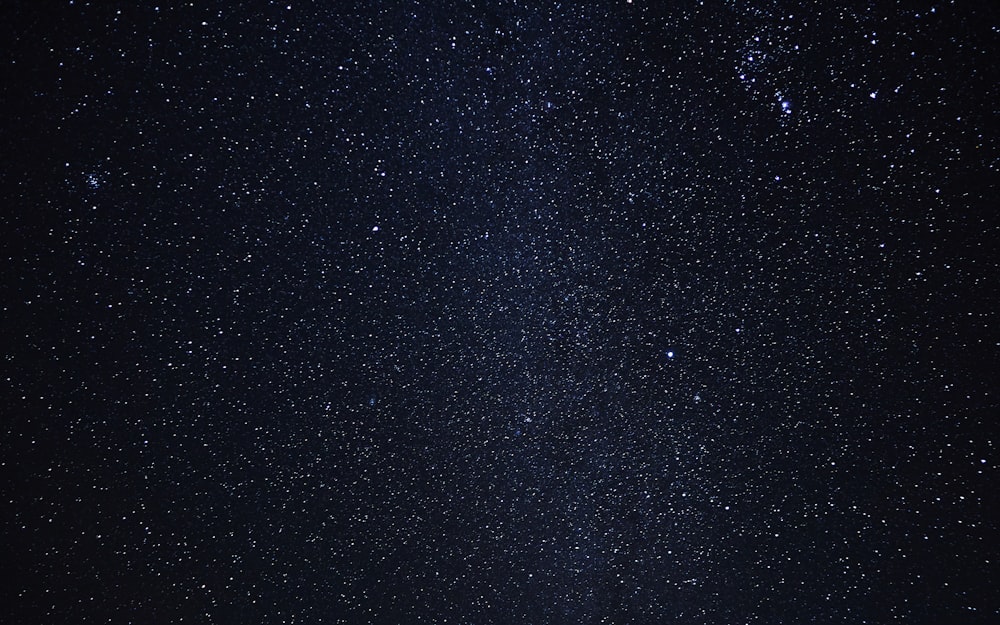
(506, 312)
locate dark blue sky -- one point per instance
(516, 312)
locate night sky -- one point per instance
(500, 313)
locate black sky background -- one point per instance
(499, 313)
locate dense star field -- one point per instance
(500, 313)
